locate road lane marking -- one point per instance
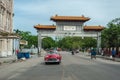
(63, 72)
(70, 77)
(13, 76)
(74, 77)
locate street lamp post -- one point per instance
(98, 42)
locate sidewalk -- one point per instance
(108, 58)
(9, 71)
(9, 59)
(12, 59)
(100, 56)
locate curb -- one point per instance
(14, 60)
(108, 58)
(7, 61)
(104, 57)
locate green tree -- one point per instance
(111, 35)
(32, 40)
(77, 43)
(48, 42)
(26, 35)
(89, 42)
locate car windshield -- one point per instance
(52, 52)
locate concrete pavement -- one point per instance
(73, 67)
(108, 58)
(9, 59)
(13, 58)
(9, 71)
(100, 56)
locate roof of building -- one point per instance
(45, 26)
(69, 18)
(86, 28)
(92, 28)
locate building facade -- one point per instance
(6, 27)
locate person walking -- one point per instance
(93, 54)
(113, 54)
(72, 52)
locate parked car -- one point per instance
(52, 57)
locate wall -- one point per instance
(6, 25)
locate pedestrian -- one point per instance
(93, 54)
(17, 51)
(89, 51)
(113, 54)
(72, 52)
(102, 52)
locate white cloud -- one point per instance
(31, 12)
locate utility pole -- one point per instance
(98, 42)
(39, 43)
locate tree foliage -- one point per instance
(48, 42)
(111, 35)
(77, 43)
(89, 42)
(64, 43)
(26, 35)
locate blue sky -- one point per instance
(32, 12)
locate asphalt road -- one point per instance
(73, 67)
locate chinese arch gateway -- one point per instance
(69, 26)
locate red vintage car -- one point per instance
(52, 57)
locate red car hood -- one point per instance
(53, 55)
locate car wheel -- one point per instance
(58, 62)
(46, 62)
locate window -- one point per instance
(8, 22)
(1, 45)
(0, 19)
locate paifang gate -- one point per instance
(69, 26)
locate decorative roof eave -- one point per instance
(93, 28)
(53, 27)
(69, 18)
(6, 35)
(9, 37)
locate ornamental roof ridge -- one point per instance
(99, 27)
(92, 26)
(69, 18)
(45, 26)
